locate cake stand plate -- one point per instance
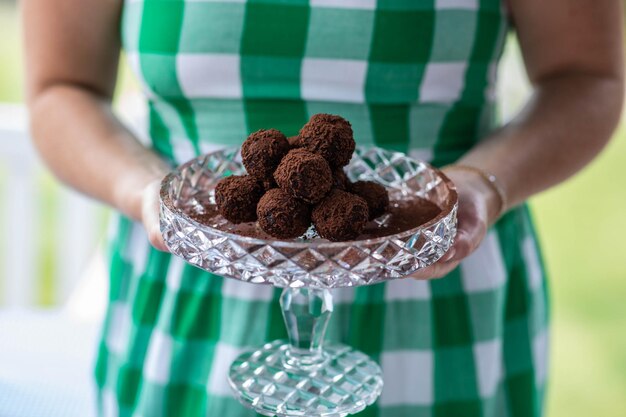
(302, 376)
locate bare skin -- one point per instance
(572, 49)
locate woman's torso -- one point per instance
(413, 75)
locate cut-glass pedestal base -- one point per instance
(345, 383)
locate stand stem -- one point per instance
(306, 312)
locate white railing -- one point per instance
(44, 247)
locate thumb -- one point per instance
(150, 215)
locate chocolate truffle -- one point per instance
(340, 180)
(329, 136)
(237, 196)
(262, 151)
(304, 175)
(375, 195)
(294, 142)
(340, 216)
(269, 183)
(283, 216)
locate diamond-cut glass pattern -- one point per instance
(348, 382)
(311, 262)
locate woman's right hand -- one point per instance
(150, 214)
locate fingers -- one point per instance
(466, 242)
(470, 232)
(471, 229)
(450, 255)
(434, 271)
(150, 216)
(156, 239)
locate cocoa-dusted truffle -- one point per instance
(283, 216)
(340, 180)
(304, 175)
(237, 196)
(269, 183)
(294, 142)
(262, 151)
(375, 195)
(329, 136)
(340, 216)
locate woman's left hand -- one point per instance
(478, 209)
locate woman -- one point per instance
(416, 76)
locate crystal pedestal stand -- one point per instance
(303, 377)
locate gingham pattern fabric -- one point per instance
(412, 75)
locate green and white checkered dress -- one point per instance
(412, 75)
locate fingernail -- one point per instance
(449, 255)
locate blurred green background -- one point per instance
(580, 223)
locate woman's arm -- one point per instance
(573, 51)
(72, 49)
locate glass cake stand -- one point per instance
(303, 376)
